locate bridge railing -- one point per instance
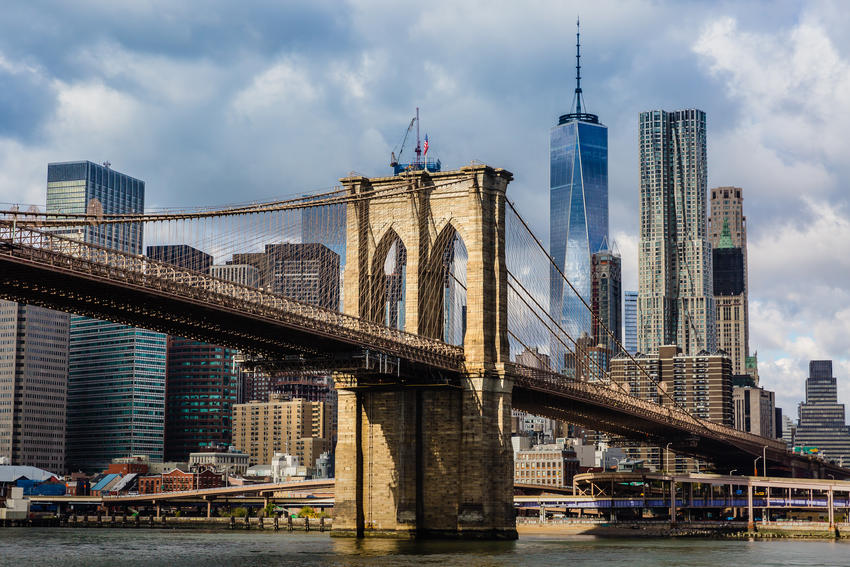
(606, 396)
(65, 253)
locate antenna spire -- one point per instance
(578, 66)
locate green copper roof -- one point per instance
(725, 236)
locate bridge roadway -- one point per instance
(51, 271)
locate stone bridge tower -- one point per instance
(424, 458)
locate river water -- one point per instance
(122, 547)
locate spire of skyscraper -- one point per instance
(578, 96)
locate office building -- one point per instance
(116, 385)
(553, 464)
(755, 410)
(728, 236)
(789, 431)
(202, 387)
(606, 300)
(700, 384)
(752, 368)
(244, 274)
(33, 385)
(295, 427)
(630, 321)
(183, 256)
(675, 296)
(201, 379)
(304, 272)
(578, 212)
(230, 462)
(821, 418)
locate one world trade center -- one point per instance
(578, 209)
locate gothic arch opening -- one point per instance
(389, 272)
(443, 294)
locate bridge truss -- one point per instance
(266, 278)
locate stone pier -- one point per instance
(417, 456)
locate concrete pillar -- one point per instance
(209, 508)
(831, 505)
(672, 501)
(750, 517)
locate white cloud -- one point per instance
(788, 150)
(790, 87)
(160, 79)
(286, 83)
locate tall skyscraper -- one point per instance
(822, 422)
(676, 299)
(33, 385)
(606, 299)
(630, 321)
(116, 386)
(578, 210)
(728, 235)
(305, 272)
(201, 380)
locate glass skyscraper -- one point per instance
(202, 383)
(578, 211)
(116, 387)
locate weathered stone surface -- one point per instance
(430, 461)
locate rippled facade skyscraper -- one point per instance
(578, 211)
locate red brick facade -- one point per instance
(178, 481)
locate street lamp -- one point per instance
(764, 460)
(755, 465)
(731, 488)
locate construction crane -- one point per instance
(395, 159)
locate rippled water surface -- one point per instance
(68, 546)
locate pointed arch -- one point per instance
(442, 300)
(387, 286)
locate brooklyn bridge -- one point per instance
(425, 395)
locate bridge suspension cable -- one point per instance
(545, 340)
(295, 248)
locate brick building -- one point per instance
(296, 427)
(176, 480)
(700, 384)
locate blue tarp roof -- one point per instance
(104, 481)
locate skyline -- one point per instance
(313, 92)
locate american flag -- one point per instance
(425, 147)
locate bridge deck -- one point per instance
(56, 272)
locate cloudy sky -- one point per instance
(217, 101)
